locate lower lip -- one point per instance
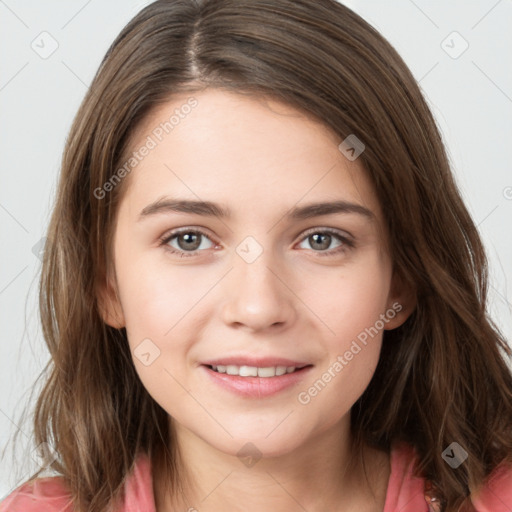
(256, 387)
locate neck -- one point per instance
(323, 474)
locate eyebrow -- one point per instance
(210, 209)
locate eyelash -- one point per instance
(346, 242)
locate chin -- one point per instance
(257, 443)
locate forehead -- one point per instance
(252, 153)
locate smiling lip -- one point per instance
(256, 387)
(259, 362)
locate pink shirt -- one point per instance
(405, 493)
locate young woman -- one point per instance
(261, 288)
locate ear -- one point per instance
(109, 304)
(401, 301)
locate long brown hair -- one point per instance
(442, 376)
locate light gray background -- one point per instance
(471, 97)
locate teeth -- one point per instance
(253, 371)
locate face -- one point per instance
(223, 264)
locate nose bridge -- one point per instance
(257, 297)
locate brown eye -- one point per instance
(186, 242)
(327, 242)
(189, 241)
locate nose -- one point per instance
(258, 296)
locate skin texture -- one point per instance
(259, 158)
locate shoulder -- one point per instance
(496, 494)
(42, 495)
(139, 485)
(409, 493)
(52, 495)
(406, 492)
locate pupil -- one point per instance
(323, 245)
(191, 239)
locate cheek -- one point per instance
(350, 307)
(164, 309)
(349, 301)
(158, 305)
(155, 300)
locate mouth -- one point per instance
(256, 380)
(255, 371)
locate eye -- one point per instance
(322, 239)
(186, 241)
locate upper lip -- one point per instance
(258, 362)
